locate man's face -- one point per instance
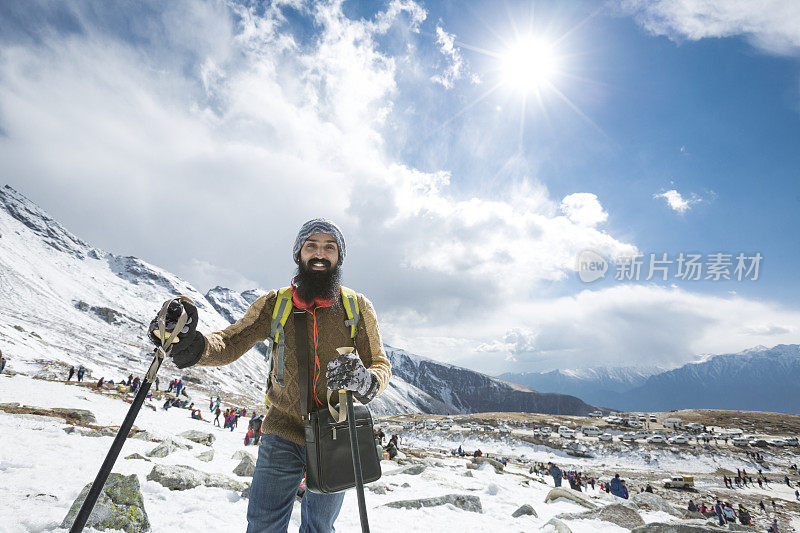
(319, 253)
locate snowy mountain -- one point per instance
(66, 303)
(599, 385)
(758, 379)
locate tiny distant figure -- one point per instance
(100, 383)
(648, 488)
(156, 383)
(761, 505)
(2, 362)
(71, 373)
(130, 380)
(178, 387)
(216, 418)
(718, 511)
(773, 528)
(81, 372)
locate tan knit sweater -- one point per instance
(283, 417)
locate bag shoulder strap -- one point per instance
(350, 302)
(301, 342)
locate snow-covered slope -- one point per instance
(63, 301)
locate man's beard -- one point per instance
(313, 284)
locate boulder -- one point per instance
(462, 501)
(239, 455)
(615, 513)
(472, 466)
(119, 506)
(572, 495)
(525, 510)
(81, 415)
(162, 450)
(467, 474)
(143, 435)
(207, 456)
(659, 527)
(413, 470)
(181, 477)
(554, 524)
(137, 456)
(377, 488)
(199, 437)
(498, 466)
(246, 467)
(654, 502)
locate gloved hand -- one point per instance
(190, 344)
(347, 372)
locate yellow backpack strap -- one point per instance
(350, 301)
(280, 313)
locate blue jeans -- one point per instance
(279, 470)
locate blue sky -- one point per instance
(465, 192)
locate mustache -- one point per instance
(325, 262)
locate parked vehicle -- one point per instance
(791, 441)
(679, 482)
(653, 418)
(741, 441)
(596, 414)
(607, 437)
(564, 431)
(628, 436)
(777, 442)
(430, 424)
(675, 423)
(695, 426)
(654, 439)
(634, 424)
(590, 431)
(679, 439)
(546, 430)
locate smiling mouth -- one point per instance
(318, 265)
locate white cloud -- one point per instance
(583, 208)
(456, 66)
(771, 25)
(677, 202)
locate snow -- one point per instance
(43, 470)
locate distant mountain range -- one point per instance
(757, 379)
(64, 302)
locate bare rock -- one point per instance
(207, 456)
(246, 466)
(181, 477)
(615, 513)
(554, 524)
(162, 450)
(462, 501)
(572, 495)
(200, 437)
(525, 510)
(119, 506)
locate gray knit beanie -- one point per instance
(319, 225)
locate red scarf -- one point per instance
(311, 308)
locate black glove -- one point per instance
(191, 344)
(347, 372)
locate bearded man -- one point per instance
(319, 251)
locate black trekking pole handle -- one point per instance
(127, 424)
(362, 504)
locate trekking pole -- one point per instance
(160, 353)
(362, 504)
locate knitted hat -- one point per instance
(319, 225)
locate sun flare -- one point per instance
(528, 65)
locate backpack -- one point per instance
(280, 314)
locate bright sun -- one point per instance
(529, 65)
